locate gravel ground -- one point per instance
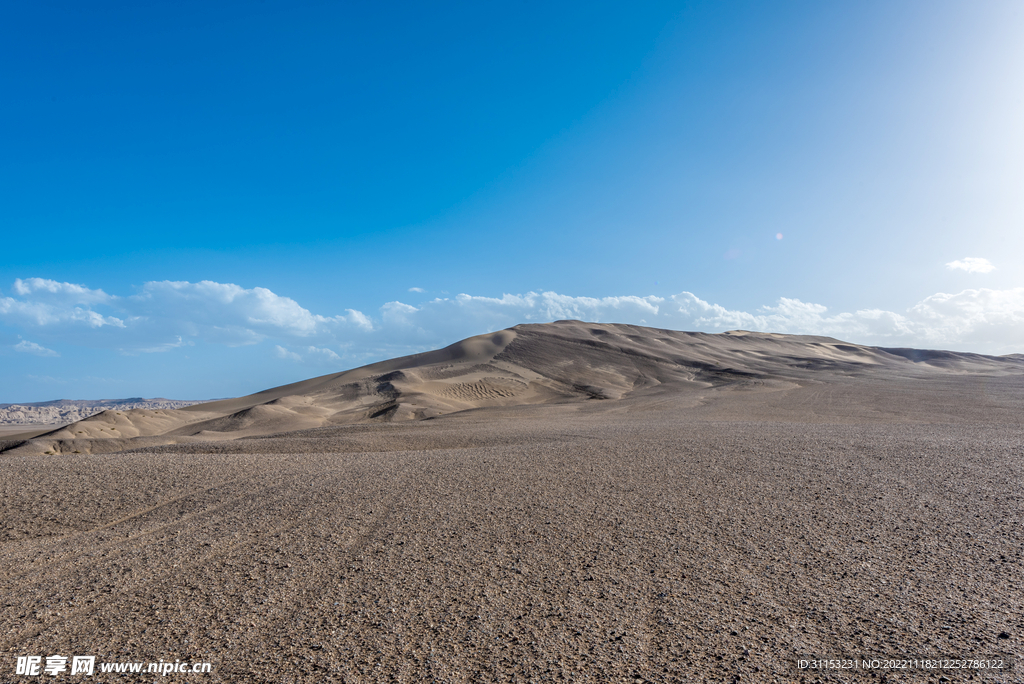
(607, 542)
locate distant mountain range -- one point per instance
(63, 411)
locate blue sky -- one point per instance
(207, 199)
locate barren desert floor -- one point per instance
(25, 431)
(652, 539)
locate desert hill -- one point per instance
(70, 410)
(562, 363)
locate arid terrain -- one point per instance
(63, 411)
(562, 502)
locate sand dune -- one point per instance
(563, 362)
(564, 502)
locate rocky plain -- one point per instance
(563, 502)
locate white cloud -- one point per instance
(167, 346)
(987, 321)
(974, 318)
(67, 292)
(33, 348)
(42, 313)
(283, 353)
(314, 355)
(359, 319)
(416, 289)
(971, 265)
(169, 314)
(226, 307)
(467, 312)
(164, 313)
(323, 355)
(787, 316)
(397, 313)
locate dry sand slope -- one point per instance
(620, 504)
